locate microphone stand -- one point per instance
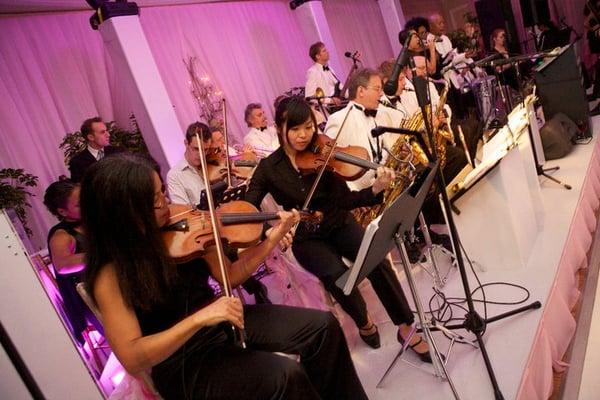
(473, 321)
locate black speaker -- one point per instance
(558, 135)
(560, 89)
(534, 11)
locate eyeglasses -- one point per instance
(376, 88)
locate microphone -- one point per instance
(380, 130)
(391, 86)
(351, 55)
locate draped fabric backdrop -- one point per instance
(54, 71)
(358, 25)
(53, 74)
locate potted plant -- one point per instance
(14, 193)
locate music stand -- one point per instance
(381, 235)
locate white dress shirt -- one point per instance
(185, 184)
(263, 142)
(390, 115)
(444, 46)
(411, 104)
(94, 152)
(356, 132)
(316, 77)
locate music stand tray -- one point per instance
(378, 241)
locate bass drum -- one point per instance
(484, 90)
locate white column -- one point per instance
(316, 29)
(35, 329)
(136, 70)
(394, 20)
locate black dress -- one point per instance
(321, 251)
(210, 366)
(77, 311)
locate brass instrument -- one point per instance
(400, 159)
(441, 134)
(401, 156)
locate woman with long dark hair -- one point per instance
(339, 235)
(66, 244)
(166, 317)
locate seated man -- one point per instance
(261, 137)
(364, 90)
(97, 137)
(185, 184)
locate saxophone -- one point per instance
(441, 135)
(400, 159)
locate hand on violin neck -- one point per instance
(385, 177)
(287, 219)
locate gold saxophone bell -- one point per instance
(319, 92)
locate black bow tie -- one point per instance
(394, 100)
(368, 113)
(262, 128)
(325, 68)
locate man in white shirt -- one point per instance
(437, 33)
(185, 184)
(184, 180)
(364, 90)
(320, 74)
(261, 137)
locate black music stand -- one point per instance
(381, 235)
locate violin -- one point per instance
(350, 162)
(189, 231)
(243, 166)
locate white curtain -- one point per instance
(358, 25)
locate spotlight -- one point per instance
(297, 3)
(107, 9)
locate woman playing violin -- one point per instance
(166, 317)
(321, 251)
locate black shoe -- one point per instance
(442, 240)
(261, 294)
(595, 111)
(425, 357)
(373, 339)
(414, 250)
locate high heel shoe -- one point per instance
(371, 339)
(425, 357)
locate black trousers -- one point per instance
(209, 366)
(322, 256)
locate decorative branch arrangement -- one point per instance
(209, 100)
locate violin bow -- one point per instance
(322, 169)
(225, 135)
(226, 285)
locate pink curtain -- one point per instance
(358, 25)
(53, 75)
(254, 52)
